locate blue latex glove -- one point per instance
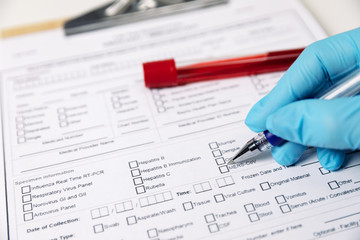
(332, 126)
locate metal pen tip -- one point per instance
(242, 151)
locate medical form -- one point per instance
(90, 153)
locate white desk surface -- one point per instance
(334, 15)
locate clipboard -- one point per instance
(116, 13)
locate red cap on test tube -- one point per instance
(164, 73)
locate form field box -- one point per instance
(152, 233)
(124, 206)
(213, 228)
(280, 199)
(138, 181)
(220, 161)
(188, 206)
(95, 213)
(98, 228)
(333, 185)
(21, 140)
(213, 145)
(254, 217)
(133, 164)
(249, 207)
(225, 181)
(25, 189)
(323, 171)
(140, 189)
(28, 216)
(285, 208)
(217, 153)
(265, 186)
(210, 218)
(219, 198)
(27, 207)
(135, 172)
(26, 198)
(224, 169)
(131, 220)
(202, 187)
(99, 212)
(154, 199)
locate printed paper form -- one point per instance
(91, 154)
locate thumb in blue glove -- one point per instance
(329, 125)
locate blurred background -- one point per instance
(334, 15)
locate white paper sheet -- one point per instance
(90, 153)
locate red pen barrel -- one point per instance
(165, 74)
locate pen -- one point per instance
(165, 74)
(345, 87)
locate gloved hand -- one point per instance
(332, 126)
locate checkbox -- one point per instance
(210, 218)
(224, 169)
(333, 185)
(217, 153)
(133, 164)
(20, 126)
(99, 228)
(135, 172)
(131, 220)
(26, 198)
(63, 124)
(138, 181)
(249, 207)
(220, 161)
(95, 213)
(115, 98)
(265, 186)
(19, 119)
(152, 233)
(159, 103)
(20, 133)
(213, 228)
(117, 105)
(213, 145)
(27, 207)
(104, 211)
(280, 199)
(188, 206)
(140, 189)
(254, 217)
(28, 216)
(21, 140)
(62, 117)
(285, 208)
(161, 109)
(156, 96)
(219, 198)
(323, 171)
(25, 189)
